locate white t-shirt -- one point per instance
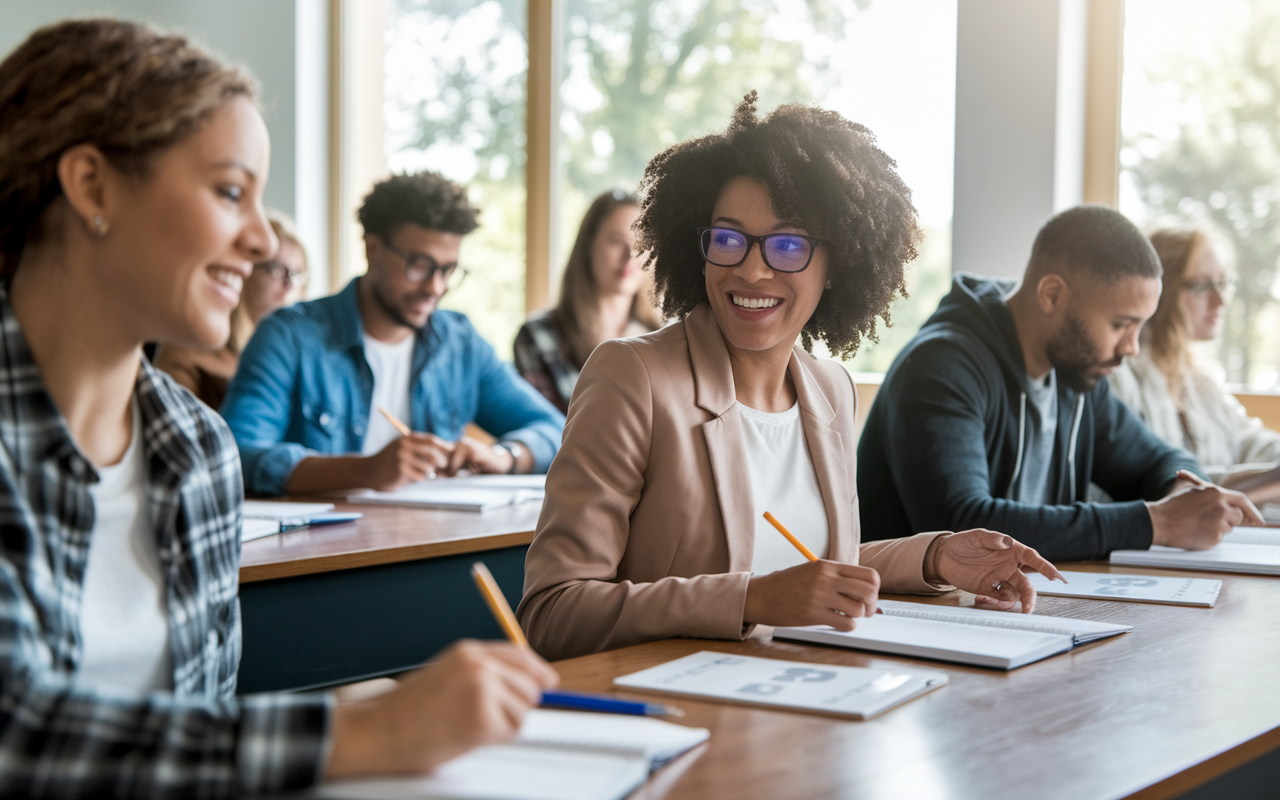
(124, 620)
(391, 365)
(782, 482)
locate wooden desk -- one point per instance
(1187, 697)
(339, 603)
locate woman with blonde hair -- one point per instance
(273, 283)
(1176, 397)
(604, 295)
(132, 166)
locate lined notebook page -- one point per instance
(1080, 630)
(1269, 536)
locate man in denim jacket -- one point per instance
(307, 403)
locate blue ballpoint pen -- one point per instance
(595, 702)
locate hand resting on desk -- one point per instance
(475, 694)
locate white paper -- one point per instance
(253, 528)
(1261, 559)
(1202, 592)
(981, 645)
(1245, 535)
(654, 739)
(270, 509)
(1080, 630)
(510, 772)
(846, 691)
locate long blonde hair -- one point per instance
(577, 313)
(1168, 333)
(242, 326)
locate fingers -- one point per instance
(1020, 586)
(460, 458)
(527, 661)
(1030, 559)
(1250, 515)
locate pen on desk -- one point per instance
(395, 423)
(592, 702)
(506, 618)
(791, 537)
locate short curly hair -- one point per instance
(820, 169)
(426, 199)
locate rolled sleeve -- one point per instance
(283, 742)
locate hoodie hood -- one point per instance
(975, 306)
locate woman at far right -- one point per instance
(1178, 398)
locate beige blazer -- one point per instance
(646, 532)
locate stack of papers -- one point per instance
(1250, 550)
(999, 639)
(470, 493)
(853, 692)
(558, 755)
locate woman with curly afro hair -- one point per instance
(763, 238)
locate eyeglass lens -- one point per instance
(727, 247)
(420, 268)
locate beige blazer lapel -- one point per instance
(826, 448)
(713, 386)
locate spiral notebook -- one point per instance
(558, 755)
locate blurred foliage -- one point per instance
(1223, 167)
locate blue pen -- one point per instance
(595, 702)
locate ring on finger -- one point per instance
(997, 586)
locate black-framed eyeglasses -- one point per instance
(279, 271)
(1225, 287)
(783, 252)
(420, 267)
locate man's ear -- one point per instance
(83, 173)
(1052, 293)
(372, 246)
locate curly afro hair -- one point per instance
(820, 169)
(426, 199)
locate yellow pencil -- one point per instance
(791, 537)
(498, 604)
(395, 423)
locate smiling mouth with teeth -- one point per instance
(228, 278)
(754, 302)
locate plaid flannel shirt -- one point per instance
(61, 738)
(542, 358)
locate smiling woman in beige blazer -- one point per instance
(677, 441)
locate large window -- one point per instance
(455, 103)
(1201, 128)
(639, 75)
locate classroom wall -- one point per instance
(284, 43)
(1020, 102)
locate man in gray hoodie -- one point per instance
(998, 414)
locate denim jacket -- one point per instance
(303, 388)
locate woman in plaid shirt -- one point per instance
(132, 167)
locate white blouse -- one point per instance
(1219, 432)
(783, 482)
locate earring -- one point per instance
(100, 225)
(828, 286)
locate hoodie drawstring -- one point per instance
(1022, 440)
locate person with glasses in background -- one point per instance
(305, 404)
(1180, 399)
(272, 284)
(764, 239)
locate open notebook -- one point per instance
(558, 755)
(998, 639)
(1251, 550)
(469, 493)
(854, 692)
